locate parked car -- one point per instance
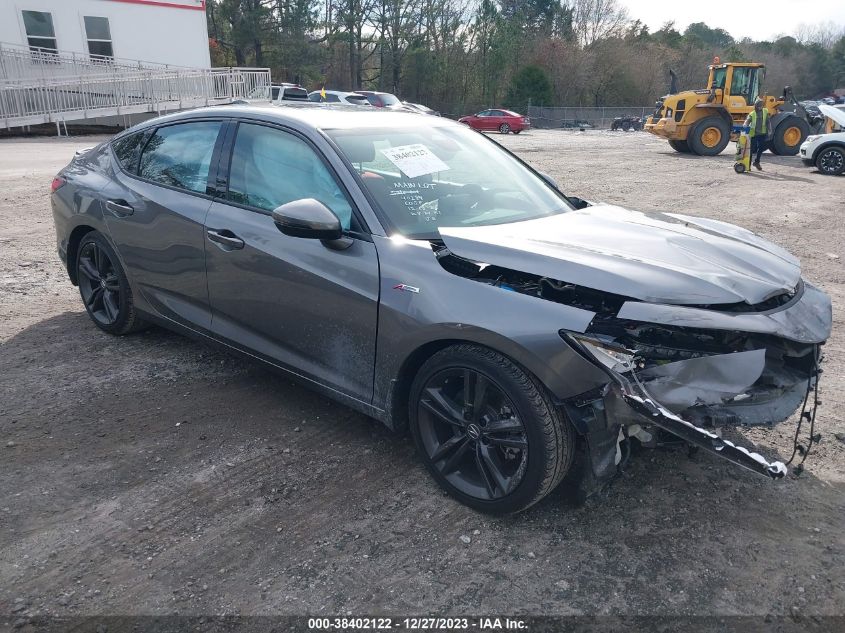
(827, 151)
(626, 123)
(418, 107)
(421, 274)
(569, 124)
(278, 93)
(829, 101)
(502, 120)
(337, 96)
(382, 100)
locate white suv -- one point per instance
(827, 151)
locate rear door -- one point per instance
(293, 301)
(155, 210)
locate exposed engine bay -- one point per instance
(687, 381)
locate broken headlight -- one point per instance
(609, 354)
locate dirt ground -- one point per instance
(152, 475)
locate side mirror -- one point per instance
(578, 203)
(549, 180)
(308, 218)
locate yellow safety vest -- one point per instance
(753, 122)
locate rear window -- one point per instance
(357, 100)
(126, 149)
(295, 94)
(180, 155)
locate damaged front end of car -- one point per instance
(687, 370)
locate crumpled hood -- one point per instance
(653, 257)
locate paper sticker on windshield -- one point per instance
(414, 160)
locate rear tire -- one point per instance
(498, 452)
(104, 287)
(831, 161)
(788, 136)
(680, 146)
(709, 136)
(504, 128)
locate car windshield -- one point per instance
(423, 178)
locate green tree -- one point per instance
(837, 62)
(708, 37)
(529, 84)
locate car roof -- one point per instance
(308, 115)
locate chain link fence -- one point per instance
(588, 118)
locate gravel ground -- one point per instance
(152, 475)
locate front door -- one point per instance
(293, 301)
(155, 215)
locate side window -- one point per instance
(270, 168)
(126, 149)
(483, 113)
(332, 98)
(180, 155)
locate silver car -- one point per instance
(418, 272)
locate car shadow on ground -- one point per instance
(139, 441)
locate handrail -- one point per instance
(39, 87)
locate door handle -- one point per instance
(226, 238)
(119, 208)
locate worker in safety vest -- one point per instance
(758, 124)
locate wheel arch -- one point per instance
(73, 242)
(554, 374)
(827, 145)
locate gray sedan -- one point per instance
(420, 273)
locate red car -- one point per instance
(502, 120)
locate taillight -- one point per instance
(58, 181)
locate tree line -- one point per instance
(461, 55)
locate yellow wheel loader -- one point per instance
(703, 122)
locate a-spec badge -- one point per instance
(406, 288)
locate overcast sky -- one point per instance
(758, 19)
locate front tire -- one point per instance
(104, 287)
(504, 128)
(680, 146)
(488, 433)
(831, 161)
(710, 136)
(788, 136)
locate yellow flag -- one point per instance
(323, 93)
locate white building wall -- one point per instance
(163, 31)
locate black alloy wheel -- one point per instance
(831, 161)
(472, 434)
(99, 284)
(487, 431)
(104, 288)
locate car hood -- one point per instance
(837, 114)
(653, 257)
